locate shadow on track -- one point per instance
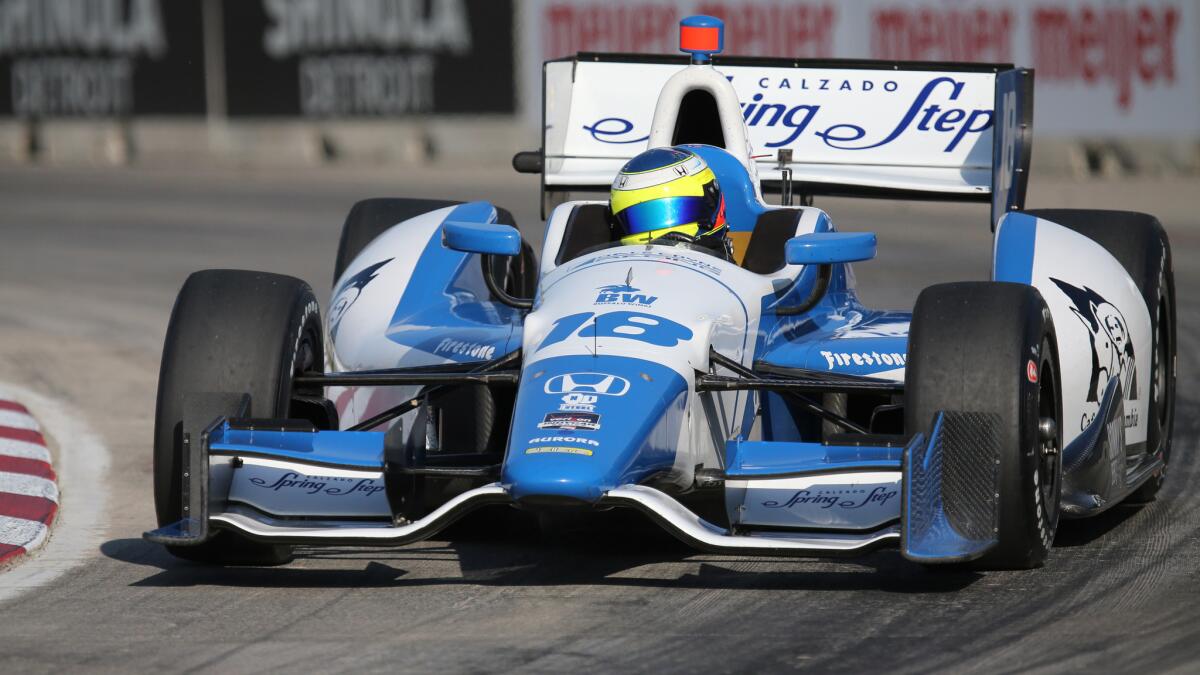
(1072, 533)
(613, 548)
(1084, 531)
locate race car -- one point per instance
(749, 405)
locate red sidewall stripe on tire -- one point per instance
(28, 494)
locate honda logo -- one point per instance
(588, 383)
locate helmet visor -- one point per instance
(658, 214)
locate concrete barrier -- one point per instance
(263, 142)
(484, 140)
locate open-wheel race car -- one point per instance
(748, 404)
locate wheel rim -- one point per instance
(1049, 450)
(1162, 355)
(308, 357)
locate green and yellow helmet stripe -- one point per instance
(679, 186)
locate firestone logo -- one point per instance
(835, 359)
(473, 350)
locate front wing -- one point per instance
(302, 486)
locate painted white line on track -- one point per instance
(17, 420)
(21, 532)
(14, 448)
(30, 486)
(82, 469)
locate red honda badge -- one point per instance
(1031, 371)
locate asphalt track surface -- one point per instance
(90, 261)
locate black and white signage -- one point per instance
(369, 58)
(100, 58)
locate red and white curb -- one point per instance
(28, 491)
(82, 519)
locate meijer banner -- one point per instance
(1104, 67)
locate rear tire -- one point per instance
(1139, 242)
(370, 218)
(970, 349)
(237, 332)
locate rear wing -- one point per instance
(958, 131)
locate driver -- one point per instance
(670, 195)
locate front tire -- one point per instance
(236, 332)
(988, 347)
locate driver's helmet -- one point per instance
(667, 190)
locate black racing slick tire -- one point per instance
(237, 332)
(988, 347)
(370, 218)
(1140, 243)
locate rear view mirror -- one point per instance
(484, 238)
(824, 248)
(487, 239)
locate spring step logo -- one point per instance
(327, 485)
(933, 111)
(847, 498)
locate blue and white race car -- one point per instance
(457, 368)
